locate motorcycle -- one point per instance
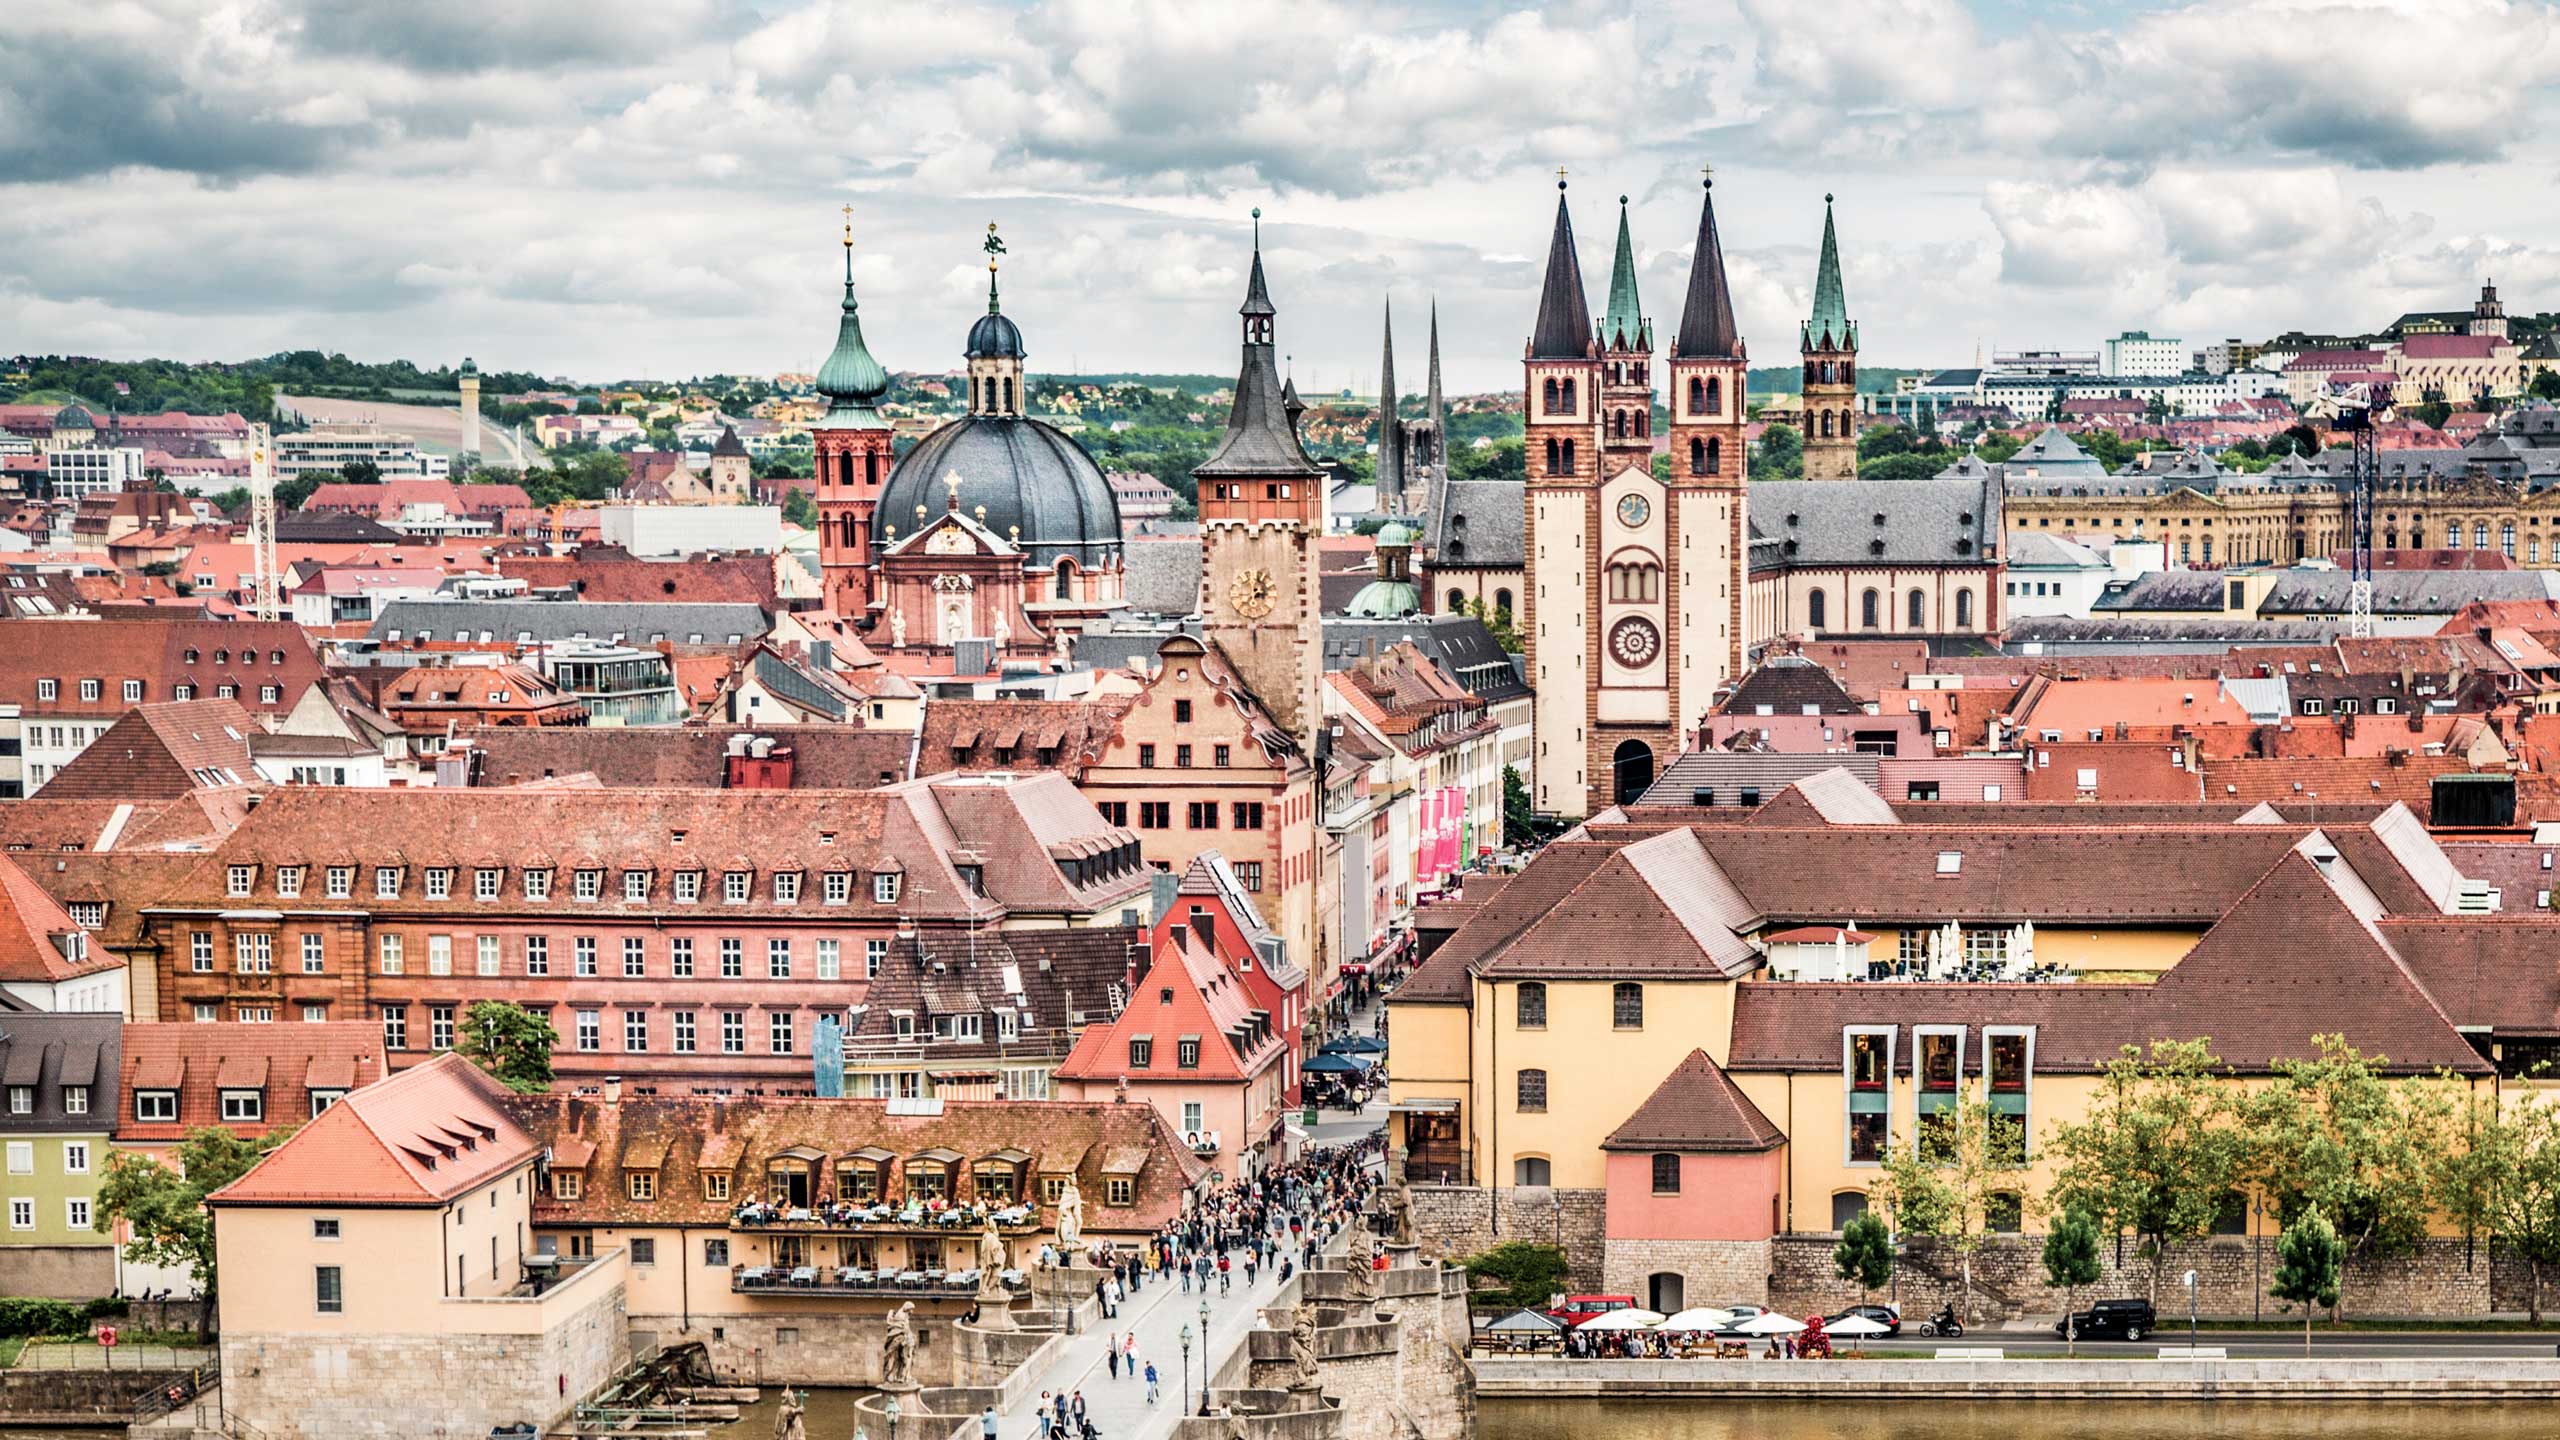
(1943, 1326)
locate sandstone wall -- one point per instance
(1461, 1220)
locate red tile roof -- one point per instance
(33, 933)
(286, 1061)
(422, 1137)
(1188, 993)
(162, 752)
(249, 655)
(1697, 1107)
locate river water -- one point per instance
(2006, 1420)
(829, 1413)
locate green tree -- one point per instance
(1864, 1255)
(1997, 449)
(2334, 1134)
(2546, 385)
(2071, 1261)
(291, 492)
(1526, 1275)
(1519, 814)
(799, 509)
(1498, 621)
(165, 1207)
(1662, 469)
(2517, 1162)
(2156, 1153)
(1902, 465)
(2433, 412)
(1501, 460)
(2309, 1261)
(1780, 456)
(360, 472)
(1945, 1186)
(510, 1042)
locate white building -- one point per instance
(2049, 574)
(93, 470)
(327, 449)
(654, 531)
(2136, 353)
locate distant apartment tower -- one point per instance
(470, 379)
(2135, 354)
(93, 470)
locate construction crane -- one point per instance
(2361, 423)
(266, 600)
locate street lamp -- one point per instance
(2191, 1311)
(1204, 1357)
(1186, 1365)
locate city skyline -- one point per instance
(608, 196)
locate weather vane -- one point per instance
(994, 246)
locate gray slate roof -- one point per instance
(1461, 644)
(1164, 576)
(2324, 592)
(1873, 522)
(1729, 773)
(504, 622)
(1481, 525)
(48, 1050)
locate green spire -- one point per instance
(1830, 305)
(1623, 327)
(851, 378)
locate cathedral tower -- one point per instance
(853, 455)
(1391, 446)
(1261, 503)
(1626, 362)
(1830, 350)
(1558, 619)
(1710, 368)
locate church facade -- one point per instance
(1635, 591)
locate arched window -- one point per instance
(1502, 602)
(1964, 609)
(1644, 422)
(1666, 1287)
(1066, 577)
(1555, 464)
(1830, 372)
(1848, 372)
(1633, 768)
(1568, 445)
(1626, 1005)
(1808, 372)
(1570, 403)
(1869, 609)
(1826, 424)
(1548, 396)
(1916, 606)
(1715, 457)
(2480, 535)
(1530, 1008)
(1697, 395)
(1715, 395)
(991, 394)
(1697, 456)
(1008, 394)
(1813, 615)
(1457, 602)
(1533, 1091)
(1532, 1170)
(1846, 1206)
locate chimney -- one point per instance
(613, 1089)
(1141, 955)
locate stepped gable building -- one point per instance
(1635, 595)
(997, 526)
(1829, 343)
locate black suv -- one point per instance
(2112, 1320)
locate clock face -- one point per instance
(1632, 511)
(1253, 593)
(1634, 641)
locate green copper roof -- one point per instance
(1623, 327)
(851, 378)
(1830, 304)
(1384, 600)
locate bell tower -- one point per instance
(1710, 492)
(1829, 347)
(1261, 503)
(853, 457)
(1559, 622)
(1626, 364)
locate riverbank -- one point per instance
(1975, 1419)
(1499, 1378)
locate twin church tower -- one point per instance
(1637, 587)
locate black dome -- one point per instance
(994, 338)
(1025, 473)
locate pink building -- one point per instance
(1214, 905)
(1697, 1161)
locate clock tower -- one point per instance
(1261, 503)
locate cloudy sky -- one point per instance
(604, 188)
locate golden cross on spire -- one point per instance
(848, 227)
(1709, 171)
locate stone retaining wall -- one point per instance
(2444, 1277)
(25, 1394)
(1501, 1378)
(1461, 1220)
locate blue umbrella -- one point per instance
(1336, 1065)
(1354, 1045)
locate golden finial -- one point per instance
(982, 514)
(848, 227)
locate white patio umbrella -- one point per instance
(1702, 1318)
(1856, 1327)
(1768, 1323)
(1622, 1320)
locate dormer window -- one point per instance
(635, 885)
(239, 880)
(587, 884)
(537, 884)
(439, 883)
(386, 882)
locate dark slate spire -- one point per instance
(1623, 328)
(1564, 314)
(1829, 326)
(1706, 320)
(1432, 404)
(1260, 440)
(1390, 433)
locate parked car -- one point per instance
(1572, 1310)
(1888, 1316)
(2112, 1320)
(1740, 1313)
